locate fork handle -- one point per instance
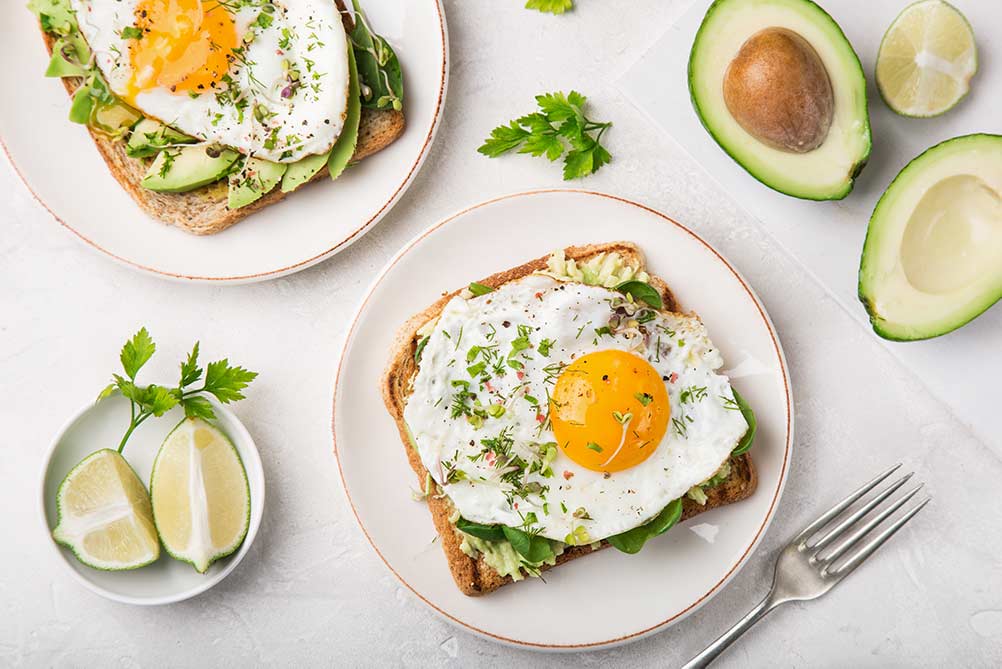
(727, 638)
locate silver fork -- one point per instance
(810, 566)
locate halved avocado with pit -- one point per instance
(932, 260)
(778, 86)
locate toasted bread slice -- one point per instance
(473, 575)
(203, 211)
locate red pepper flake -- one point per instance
(539, 296)
(515, 506)
(540, 418)
(520, 375)
(673, 378)
(489, 387)
(568, 475)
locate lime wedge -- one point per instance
(201, 500)
(926, 60)
(104, 514)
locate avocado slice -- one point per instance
(301, 171)
(150, 136)
(70, 56)
(344, 147)
(185, 168)
(256, 178)
(780, 89)
(932, 260)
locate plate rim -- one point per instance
(760, 533)
(302, 264)
(254, 469)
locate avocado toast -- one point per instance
(203, 186)
(474, 561)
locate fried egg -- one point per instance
(567, 409)
(268, 78)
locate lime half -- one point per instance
(201, 500)
(104, 514)
(926, 60)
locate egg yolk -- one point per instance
(609, 410)
(186, 46)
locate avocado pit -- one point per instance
(778, 90)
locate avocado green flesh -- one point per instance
(150, 136)
(257, 178)
(340, 154)
(825, 173)
(187, 168)
(932, 260)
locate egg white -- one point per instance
(567, 313)
(307, 122)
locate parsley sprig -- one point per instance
(220, 379)
(559, 123)
(550, 6)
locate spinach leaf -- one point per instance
(642, 291)
(378, 67)
(746, 411)
(485, 532)
(532, 547)
(633, 540)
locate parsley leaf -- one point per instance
(223, 381)
(226, 382)
(197, 406)
(136, 352)
(503, 138)
(190, 371)
(550, 6)
(559, 122)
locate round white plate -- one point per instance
(61, 166)
(102, 425)
(610, 597)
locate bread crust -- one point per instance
(204, 211)
(474, 576)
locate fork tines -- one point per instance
(830, 538)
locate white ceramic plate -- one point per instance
(636, 594)
(61, 166)
(101, 425)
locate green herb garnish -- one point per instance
(643, 292)
(132, 32)
(550, 6)
(420, 348)
(479, 289)
(644, 398)
(221, 380)
(559, 122)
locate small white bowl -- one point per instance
(102, 425)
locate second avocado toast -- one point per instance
(481, 566)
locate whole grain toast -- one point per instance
(474, 576)
(204, 211)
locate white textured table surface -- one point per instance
(312, 592)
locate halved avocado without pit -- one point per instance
(778, 86)
(932, 260)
